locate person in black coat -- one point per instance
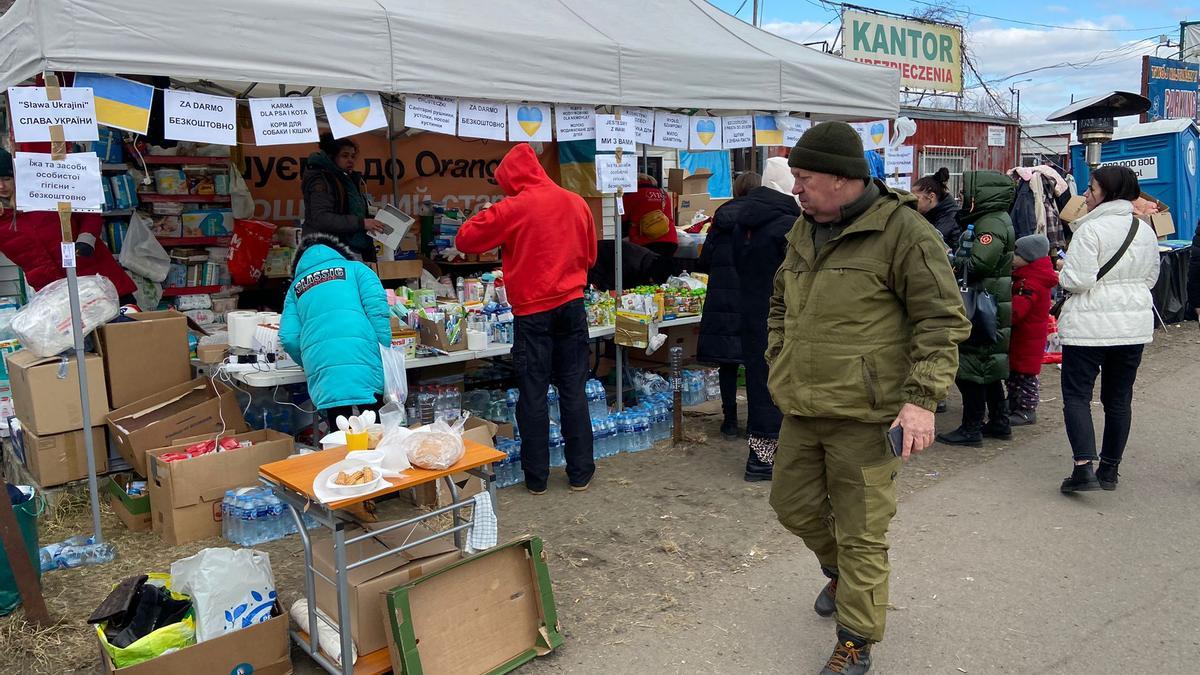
(721, 324)
(1193, 282)
(939, 207)
(764, 217)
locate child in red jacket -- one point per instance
(1033, 280)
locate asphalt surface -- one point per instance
(994, 571)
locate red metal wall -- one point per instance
(969, 135)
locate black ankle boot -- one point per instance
(851, 656)
(729, 428)
(999, 428)
(1022, 418)
(826, 603)
(1106, 475)
(970, 436)
(1082, 479)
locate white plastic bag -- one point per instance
(437, 446)
(328, 636)
(395, 387)
(242, 202)
(44, 325)
(395, 451)
(230, 589)
(141, 253)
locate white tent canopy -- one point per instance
(662, 54)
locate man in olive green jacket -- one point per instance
(862, 337)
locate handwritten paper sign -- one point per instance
(188, 116)
(283, 121)
(483, 119)
(643, 123)
(431, 113)
(737, 131)
(898, 160)
(33, 114)
(706, 133)
(793, 129)
(575, 122)
(353, 112)
(43, 182)
(529, 122)
(899, 183)
(613, 133)
(670, 130)
(611, 175)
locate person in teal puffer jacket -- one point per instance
(335, 318)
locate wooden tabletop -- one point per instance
(298, 473)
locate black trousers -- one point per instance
(552, 348)
(980, 401)
(728, 374)
(331, 414)
(1117, 368)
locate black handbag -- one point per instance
(1057, 307)
(983, 311)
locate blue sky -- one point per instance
(1102, 60)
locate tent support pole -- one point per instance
(392, 155)
(618, 244)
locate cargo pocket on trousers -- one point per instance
(879, 497)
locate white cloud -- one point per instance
(1103, 61)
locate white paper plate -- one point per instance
(350, 466)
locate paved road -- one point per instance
(994, 571)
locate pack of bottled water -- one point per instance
(509, 472)
(75, 552)
(597, 399)
(251, 516)
(604, 437)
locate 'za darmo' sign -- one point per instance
(928, 55)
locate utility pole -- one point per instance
(754, 15)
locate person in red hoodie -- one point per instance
(547, 242)
(1033, 280)
(649, 219)
(31, 240)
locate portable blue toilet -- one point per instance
(1163, 154)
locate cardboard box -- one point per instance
(434, 335)
(45, 392)
(132, 510)
(369, 583)
(437, 494)
(185, 496)
(488, 613)
(144, 356)
(632, 330)
(263, 649)
(212, 354)
(182, 411)
(1075, 209)
(61, 458)
(680, 183)
(687, 337)
(397, 269)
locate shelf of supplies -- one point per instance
(151, 198)
(193, 241)
(466, 263)
(179, 161)
(118, 166)
(176, 291)
(117, 213)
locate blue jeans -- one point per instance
(552, 347)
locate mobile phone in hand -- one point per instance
(896, 440)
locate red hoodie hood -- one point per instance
(520, 170)
(1040, 272)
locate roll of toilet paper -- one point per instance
(268, 318)
(476, 340)
(242, 324)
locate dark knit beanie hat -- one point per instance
(831, 147)
(1033, 247)
(6, 165)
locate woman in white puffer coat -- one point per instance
(1105, 323)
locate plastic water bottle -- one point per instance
(227, 516)
(597, 399)
(557, 446)
(599, 449)
(552, 402)
(510, 398)
(963, 254)
(626, 432)
(453, 403)
(518, 474)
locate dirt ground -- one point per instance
(656, 532)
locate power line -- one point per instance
(1101, 58)
(970, 12)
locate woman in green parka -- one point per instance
(982, 368)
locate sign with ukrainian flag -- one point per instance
(120, 103)
(353, 112)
